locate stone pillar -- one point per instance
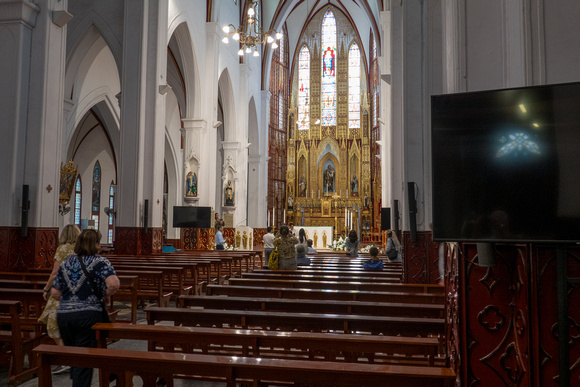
(143, 86)
(31, 107)
(193, 131)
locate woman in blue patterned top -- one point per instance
(79, 307)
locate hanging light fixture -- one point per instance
(249, 34)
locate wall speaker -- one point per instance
(385, 218)
(412, 204)
(146, 216)
(486, 255)
(396, 216)
(25, 209)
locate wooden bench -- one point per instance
(327, 285)
(150, 287)
(293, 345)
(345, 277)
(232, 369)
(321, 294)
(302, 322)
(18, 336)
(314, 306)
(173, 277)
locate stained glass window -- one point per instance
(96, 203)
(78, 201)
(304, 89)
(328, 81)
(280, 111)
(354, 87)
(111, 214)
(282, 48)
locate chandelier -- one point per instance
(250, 35)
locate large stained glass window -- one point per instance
(78, 201)
(280, 111)
(282, 46)
(304, 89)
(328, 82)
(96, 204)
(354, 87)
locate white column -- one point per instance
(143, 79)
(31, 107)
(264, 149)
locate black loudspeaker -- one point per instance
(396, 216)
(146, 216)
(385, 218)
(412, 204)
(25, 208)
(486, 254)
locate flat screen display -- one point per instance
(506, 165)
(191, 217)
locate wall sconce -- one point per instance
(164, 89)
(217, 124)
(60, 18)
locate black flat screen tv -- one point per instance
(506, 165)
(191, 217)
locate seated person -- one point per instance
(301, 259)
(310, 248)
(374, 263)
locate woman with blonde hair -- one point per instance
(65, 249)
(393, 251)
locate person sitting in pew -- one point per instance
(301, 258)
(311, 250)
(374, 264)
(286, 249)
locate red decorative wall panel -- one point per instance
(35, 250)
(258, 238)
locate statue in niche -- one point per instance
(366, 200)
(245, 240)
(229, 194)
(290, 202)
(191, 190)
(250, 241)
(302, 186)
(315, 239)
(324, 239)
(354, 186)
(329, 179)
(238, 240)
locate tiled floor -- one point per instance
(64, 379)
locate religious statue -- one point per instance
(191, 185)
(324, 239)
(245, 240)
(315, 239)
(290, 202)
(250, 241)
(238, 240)
(302, 186)
(354, 186)
(366, 200)
(329, 179)
(229, 194)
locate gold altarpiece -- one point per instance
(312, 200)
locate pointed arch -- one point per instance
(354, 71)
(96, 194)
(78, 201)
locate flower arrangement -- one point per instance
(338, 245)
(365, 249)
(228, 246)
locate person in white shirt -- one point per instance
(268, 239)
(310, 248)
(219, 238)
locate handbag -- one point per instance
(273, 262)
(394, 253)
(96, 291)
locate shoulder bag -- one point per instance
(393, 253)
(96, 292)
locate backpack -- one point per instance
(273, 261)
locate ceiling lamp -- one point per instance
(249, 34)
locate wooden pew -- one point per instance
(309, 270)
(18, 336)
(125, 364)
(303, 322)
(314, 306)
(327, 285)
(321, 294)
(292, 345)
(150, 287)
(344, 277)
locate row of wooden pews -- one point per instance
(327, 325)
